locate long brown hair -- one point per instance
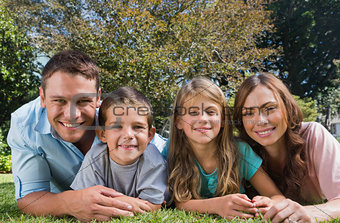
(290, 180)
(184, 180)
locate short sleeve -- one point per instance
(165, 150)
(249, 161)
(91, 172)
(31, 172)
(152, 181)
(326, 157)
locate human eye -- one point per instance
(248, 112)
(59, 101)
(84, 101)
(114, 126)
(211, 112)
(270, 109)
(139, 127)
(194, 113)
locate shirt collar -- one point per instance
(43, 126)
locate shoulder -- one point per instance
(244, 147)
(97, 152)
(312, 130)
(246, 152)
(152, 156)
(28, 114)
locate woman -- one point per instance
(302, 158)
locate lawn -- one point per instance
(9, 211)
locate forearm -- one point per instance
(46, 203)
(277, 198)
(326, 211)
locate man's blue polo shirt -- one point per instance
(41, 160)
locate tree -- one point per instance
(154, 45)
(308, 34)
(17, 67)
(308, 107)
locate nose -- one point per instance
(261, 119)
(202, 117)
(128, 133)
(71, 112)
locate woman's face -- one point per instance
(263, 118)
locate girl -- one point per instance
(207, 165)
(302, 158)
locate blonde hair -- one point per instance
(184, 179)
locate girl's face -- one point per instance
(263, 118)
(200, 119)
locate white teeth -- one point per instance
(265, 132)
(71, 125)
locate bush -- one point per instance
(5, 163)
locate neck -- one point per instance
(85, 143)
(277, 155)
(206, 156)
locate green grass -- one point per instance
(10, 213)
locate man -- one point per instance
(49, 138)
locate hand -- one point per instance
(138, 205)
(98, 203)
(234, 205)
(287, 211)
(262, 203)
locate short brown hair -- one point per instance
(72, 62)
(125, 96)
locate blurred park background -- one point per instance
(157, 45)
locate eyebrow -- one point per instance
(263, 105)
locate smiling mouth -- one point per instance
(202, 129)
(71, 125)
(128, 147)
(265, 133)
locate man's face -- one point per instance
(127, 134)
(71, 103)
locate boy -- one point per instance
(125, 161)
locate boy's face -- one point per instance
(126, 133)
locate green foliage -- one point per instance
(307, 33)
(17, 68)
(308, 107)
(154, 46)
(5, 163)
(4, 148)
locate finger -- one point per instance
(257, 198)
(239, 214)
(111, 211)
(276, 209)
(109, 192)
(112, 202)
(144, 206)
(263, 210)
(295, 216)
(243, 196)
(264, 202)
(243, 202)
(237, 207)
(283, 214)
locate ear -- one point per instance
(98, 97)
(151, 134)
(42, 97)
(101, 135)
